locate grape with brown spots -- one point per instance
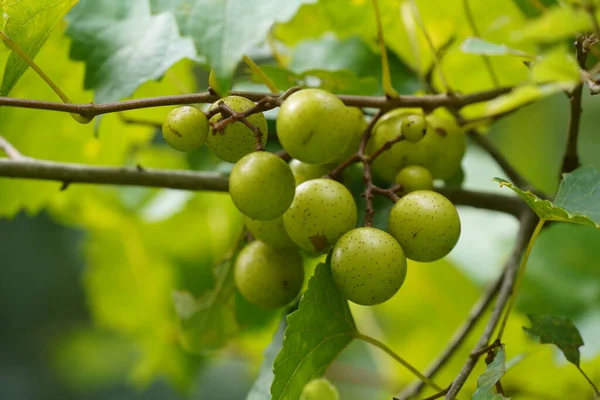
(426, 224)
(185, 128)
(236, 140)
(262, 186)
(305, 172)
(314, 126)
(272, 232)
(443, 148)
(368, 266)
(322, 211)
(268, 277)
(414, 127)
(414, 177)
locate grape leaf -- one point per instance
(488, 379)
(559, 22)
(473, 45)
(577, 200)
(531, 9)
(124, 46)
(261, 388)
(28, 23)
(224, 31)
(557, 65)
(557, 330)
(317, 332)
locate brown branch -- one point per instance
(438, 395)
(458, 338)
(490, 201)
(528, 222)
(571, 158)
(91, 110)
(231, 116)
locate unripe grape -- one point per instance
(185, 128)
(414, 127)
(368, 266)
(322, 211)
(304, 172)
(443, 147)
(319, 389)
(236, 140)
(387, 165)
(271, 232)
(414, 177)
(357, 123)
(268, 277)
(313, 125)
(426, 224)
(262, 186)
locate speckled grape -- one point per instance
(271, 232)
(426, 224)
(368, 266)
(319, 389)
(305, 172)
(268, 277)
(313, 126)
(401, 154)
(262, 186)
(414, 177)
(236, 140)
(443, 147)
(185, 128)
(322, 211)
(414, 127)
(357, 123)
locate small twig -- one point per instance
(490, 201)
(231, 116)
(388, 87)
(438, 395)
(571, 157)
(528, 221)
(458, 338)
(589, 381)
(485, 58)
(487, 349)
(10, 151)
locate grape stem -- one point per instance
(400, 360)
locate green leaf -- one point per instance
(224, 31)
(28, 23)
(577, 200)
(473, 45)
(559, 22)
(321, 328)
(492, 374)
(528, 8)
(557, 330)
(559, 66)
(261, 388)
(210, 322)
(341, 82)
(124, 46)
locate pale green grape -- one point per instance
(322, 211)
(414, 177)
(426, 224)
(271, 232)
(414, 127)
(313, 125)
(185, 128)
(443, 147)
(268, 277)
(262, 186)
(236, 140)
(368, 266)
(304, 172)
(319, 389)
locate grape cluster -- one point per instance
(296, 207)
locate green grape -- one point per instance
(368, 266)
(414, 177)
(268, 277)
(271, 232)
(414, 127)
(319, 389)
(443, 147)
(322, 211)
(387, 165)
(185, 128)
(356, 120)
(236, 140)
(304, 172)
(313, 125)
(426, 224)
(262, 186)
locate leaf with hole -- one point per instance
(577, 200)
(317, 332)
(557, 330)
